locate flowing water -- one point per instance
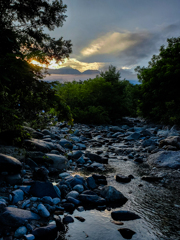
(158, 207)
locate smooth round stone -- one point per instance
(29, 237)
(63, 175)
(33, 199)
(56, 200)
(47, 199)
(73, 194)
(18, 195)
(79, 188)
(73, 200)
(42, 210)
(20, 232)
(80, 208)
(25, 203)
(68, 219)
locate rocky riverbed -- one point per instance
(96, 182)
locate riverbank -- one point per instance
(91, 172)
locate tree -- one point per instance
(22, 38)
(111, 75)
(159, 89)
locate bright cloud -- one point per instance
(114, 43)
(81, 66)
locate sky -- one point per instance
(122, 33)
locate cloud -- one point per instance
(114, 43)
(81, 66)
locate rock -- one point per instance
(65, 143)
(69, 207)
(112, 195)
(151, 178)
(15, 217)
(81, 219)
(18, 195)
(122, 179)
(126, 233)
(46, 132)
(75, 154)
(124, 215)
(162, 133)
(47, 200)
(64, 175)
(37, 135)
(41, 174)
(42, 189)
(42, 210)
(173, 141)
(96, 166)
(79, 188)
(73, 181)
(38, 145)
(20, 232)
(80, 160)
(38, 157)
(81, 146)
(97, 158)
(68, 219)
(75, 139)
(48, 232)
(91, 183)
(133, 136)
(31, 163)
(29, 237)
(168, 159)
(88, 198)
(73, 200)
(73, 194)
(115, 129)
(145, 133)
(148, 143)
(9, 164)
(58, 161)
(14, 179)
(56, 201)
(80, 209)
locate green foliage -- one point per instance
(99, 100)
(159, 91)
(23, 95)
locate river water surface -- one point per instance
(158, 207)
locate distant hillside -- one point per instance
(72, 71)
(91, 72)
(65, 70)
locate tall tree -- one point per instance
(160, 99)
(22, 38)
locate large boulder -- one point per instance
(15, 217)
(58, 161)
(42, 189)
(172, 140)
(112, 195)
(38, 145)
(9, 164)
(168, 159)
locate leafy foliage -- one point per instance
(23, 95)
(99, 100)
(159, 89)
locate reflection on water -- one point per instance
(157, 207)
